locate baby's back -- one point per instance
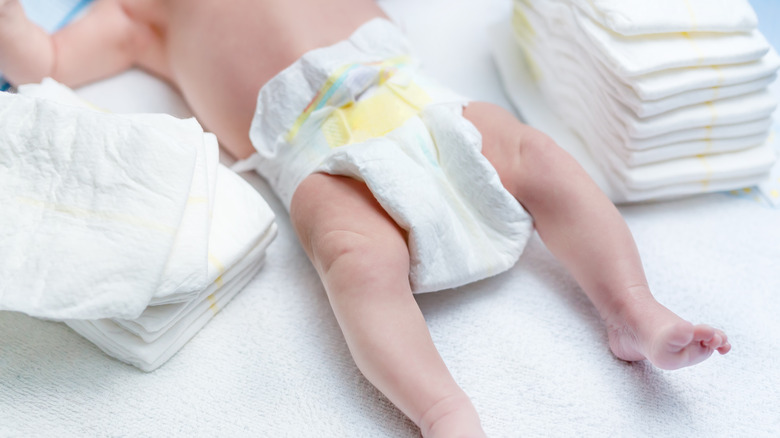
(221, 52)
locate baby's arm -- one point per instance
(102, 43)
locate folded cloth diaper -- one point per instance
(242, 229)
(666, 83)
(654, 128)
(634, 56)
(185, 273)
(361, 108)
(85, 196)
(641, 17)
(634, 158)
(214, 248)
(240, 226)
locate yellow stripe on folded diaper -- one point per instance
(713, 112)
(520, 23)
(708, 169)
(694, 21)
(708, 138)
(721, 80)
(100, 215)
(695, 47)
(213, 304)
(220, 268)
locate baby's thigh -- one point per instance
(506, 142)
(333, 214)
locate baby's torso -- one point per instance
(219, 53)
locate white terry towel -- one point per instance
(641, 17)
(85, 196)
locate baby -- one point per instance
(339, 89)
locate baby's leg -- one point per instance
(584, 230)
(363, 261)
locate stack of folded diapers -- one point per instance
(125, 227)
(670, 97)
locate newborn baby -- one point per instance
(394, 184)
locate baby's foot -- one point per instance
(651, 331)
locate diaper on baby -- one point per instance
(361, 108)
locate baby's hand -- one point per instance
(10, 9)
(5, 3)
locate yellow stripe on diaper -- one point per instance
(696, 48)
(386, 69)
(692, 13)
(713, 112)
(706, 181)
(521, 24)
(100, 215)
(708, 138)
(388, 108)
(213, 304)
(220, 268)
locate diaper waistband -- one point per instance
(292, 92)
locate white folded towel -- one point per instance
(91, 206)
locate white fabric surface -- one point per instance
(526, 345)
(425, 170)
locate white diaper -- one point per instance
(718, 105)
(85, 195)
(242, 229)
(693, 140)
(662, 84)
(598, 100)
(641, 17)
(632, 56)
(361, 108)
